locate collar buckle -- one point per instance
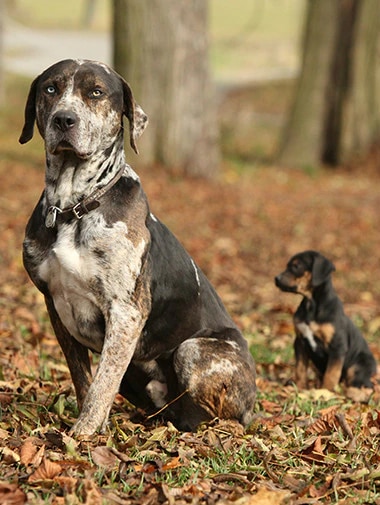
(79, 211)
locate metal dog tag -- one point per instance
(51, 216)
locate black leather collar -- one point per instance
(81, 208)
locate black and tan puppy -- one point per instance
(324, 334)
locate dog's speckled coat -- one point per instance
(116, 281)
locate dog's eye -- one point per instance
(294, 267)
(297, 269)
(50, 90)
(96, 93)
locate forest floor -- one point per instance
(303, 447)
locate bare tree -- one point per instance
(161, 48)
(336, 112)
(2, 28)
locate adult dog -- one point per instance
(115, 279)
(325, 336)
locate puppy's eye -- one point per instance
(95, 93)
(298, 269)
(50, 90)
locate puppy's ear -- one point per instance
(30, 114)
(137, 118)
(322, 268)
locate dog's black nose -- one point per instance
(64, 120)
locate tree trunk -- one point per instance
(336, 110)
(361, 107)
(2, 28)
(161, 48)
(303, 136)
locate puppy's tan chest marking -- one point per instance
(76, 277)
(323, 331)
(312, 331)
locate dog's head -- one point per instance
(304, 272)
(78, 106)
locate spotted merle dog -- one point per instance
(115, 279)
(325, 336)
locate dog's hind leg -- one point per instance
(358, 378)
(216, 377)
(145, 385)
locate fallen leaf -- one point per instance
(122, 456)
(314, 452)
(5, 400)
(171, 464)
(4, 434)
(37, 458)
(28, 451)
(103, 456)
(9, 456)
(66, 483)
(371, 422)
(92, 495)
(272, 407)
(318, 394)
(356, 475)
(24, 314)
(46, 471)
(263, 496)
(11, 494)
(319, 427)
(374, 325)
(321, 490)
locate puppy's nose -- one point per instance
(64, 120)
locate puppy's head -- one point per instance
(304, 272)
(78, 106)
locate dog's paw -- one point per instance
(85, 426)
(360, 395)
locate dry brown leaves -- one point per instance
(303, 447)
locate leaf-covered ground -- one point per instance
(303, 446)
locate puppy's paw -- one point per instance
(360, 395)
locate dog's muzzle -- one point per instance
(63, 134)
(281, 284)
(64, 120)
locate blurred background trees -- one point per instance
(336, 112)
(162, 46)
(2, 15)
(318, 105)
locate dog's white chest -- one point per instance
(86, 278)
(307, 333)
(68, 270)
(69, 257)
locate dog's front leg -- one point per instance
(333, 371)
(302, 362)
(75, 353)
(123, 327)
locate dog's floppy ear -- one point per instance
(137, 118)
(30, 114)
(322, 268)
